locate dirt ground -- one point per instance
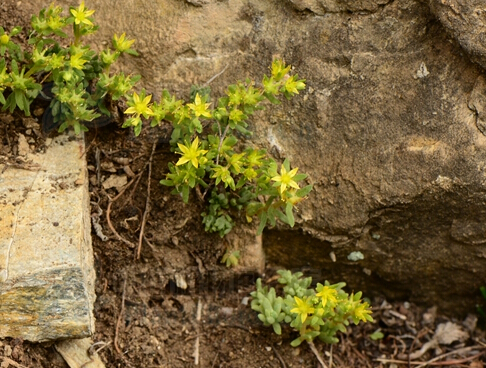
(146, 317)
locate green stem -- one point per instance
(32, 70)
(77, 35)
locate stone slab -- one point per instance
(79, 353)
(46, 259)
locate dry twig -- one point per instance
(198, 319)
(316, 353)
(214, 361)
(11, 362)
(435, 362)
(279, 357)
(120, 316)
(147, 202)
(108, 212)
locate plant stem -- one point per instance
(316, 353)
(221, 139)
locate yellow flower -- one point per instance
(190, 153)
(224, 175)
(77, 61)
(363, 312)
(121, 44)
(56, 61)
(200, 108)
(139, 106)
(293, 86)
(303, 308)
(327, 294)
(293, 198)
(285, 179)
(81, 15)
(4, 39)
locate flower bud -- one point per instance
(4, 39)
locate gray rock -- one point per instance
(46, 261)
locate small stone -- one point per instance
(39, 111)
(75, 353)
(228, 311)
(180, 281)
(23, 147)
(7, 351)
(115, 181)
(30, 123)
(7, 119)
(108, 166)
(332, 255)
(355, 256)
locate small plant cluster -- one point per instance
(75, 78)
(212, 162)
(314, 312)
(229, 177)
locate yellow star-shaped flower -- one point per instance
(303, 308)
(191, 153)
(363, 312)
(326, 294)
(140, 106)
(199, 107)
(77, 61)
(284, 180)
(122, 44)
(81, 15)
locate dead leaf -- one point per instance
(447, 333)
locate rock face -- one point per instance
(466, 21)
(46, 260)
(390, 129)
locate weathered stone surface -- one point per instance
(389, 129)
(466, 21)
(46, 264)
(321, 7)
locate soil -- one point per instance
(147, 307)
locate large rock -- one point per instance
(46, 260)
(466, 21)
(389, 129)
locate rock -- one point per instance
(46, 260)
(466, 22)
(322, 7)
(24, 148)
(79, 353)
(115, 181)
